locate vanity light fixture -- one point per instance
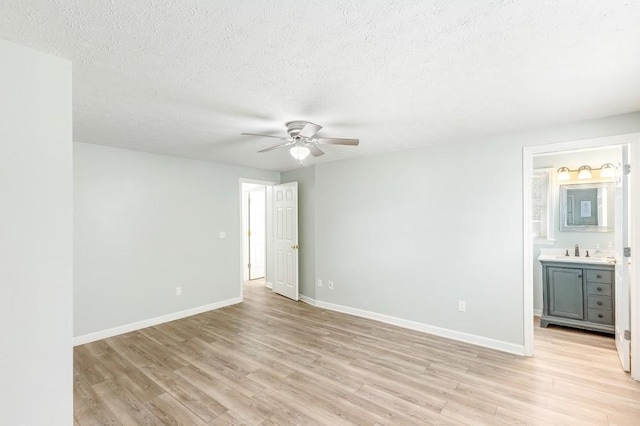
(564, 173)
(607, 170)
(299, 152)
(584, 172)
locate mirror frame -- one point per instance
(587, 228)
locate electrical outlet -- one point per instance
(330, 285)
(319, 283)
(178, 291)
(462, 306)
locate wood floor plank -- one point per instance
(88, 406)
(171, 412)
(86, 363)
(128, 376)
(249, 409)
(272, 361)
(185, 392)
(425, 415)
(124, 405)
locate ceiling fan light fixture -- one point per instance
(302, 140)
(300, 152)
(584, 172)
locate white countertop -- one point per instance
(573, 259)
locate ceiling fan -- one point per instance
(302, 140)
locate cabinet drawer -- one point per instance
(600, 302)
(599, 289)
(599, 276)
(600, 315)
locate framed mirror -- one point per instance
(587, 207)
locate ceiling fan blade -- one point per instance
(266, 136)
(309, 130)
(275, 147)
(339, 141)
(315, 151)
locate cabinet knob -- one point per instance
(599, 315)
(599, 289)
(599, 276)
(600, 302)
(579, 275)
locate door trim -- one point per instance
(633, 139)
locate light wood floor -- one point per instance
(272, 361)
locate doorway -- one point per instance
(254, 221)
(256, 234)
(272, 256)
(535, 158)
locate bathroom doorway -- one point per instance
(543, 162)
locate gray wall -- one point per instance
(306, 226)
(568, 239)
(409, 234)
(35, 238)
(146, 224)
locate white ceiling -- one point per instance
(186, 77)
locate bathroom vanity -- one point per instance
(578, 293)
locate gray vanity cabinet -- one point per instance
(578, 295)
(566, 295)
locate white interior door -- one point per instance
(285, 205)
(257, 224)
(622, 229)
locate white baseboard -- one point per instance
(425, 328)
(537, 312)
(99, 335)
(269, 285)
(307, 299)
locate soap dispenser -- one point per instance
(597, 252)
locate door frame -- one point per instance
(268, 231)
(633, 140)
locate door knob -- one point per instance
(295, 247)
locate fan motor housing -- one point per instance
(294, 127)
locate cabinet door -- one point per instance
(566, 295)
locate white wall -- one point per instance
(35, 238)
(305, 176)
(146, 224)
(409, 234)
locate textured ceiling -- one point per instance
(185, 77)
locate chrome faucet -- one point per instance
(577, 252)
